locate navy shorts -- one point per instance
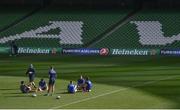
(31, 78)
(52, 81)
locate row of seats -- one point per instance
(12, 14)
(149, 29)
(150, 33)
(84, 27)
(70, 33)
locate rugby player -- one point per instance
(26, 88)
(31, 74)
(88, 85)
(71, 87)
(42, 85)
(80, 83)
(52, 79)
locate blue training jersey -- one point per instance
(80, 81)
(71, 88)
(52, 74)
(89, 85)
(42, 84)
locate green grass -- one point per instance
(119, 82)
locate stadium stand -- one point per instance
(12, 15)
(45, 28)
(51, 27)
(148, 29)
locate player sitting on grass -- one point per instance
(42, 85)
(26, 88)
(71, 87)
(80, 83)
(88, 85)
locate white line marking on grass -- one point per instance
(115, 91)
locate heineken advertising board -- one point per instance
(92, 51)
(134, 52)
(34, 50)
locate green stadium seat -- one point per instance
(12, 14)
(148, 29)
(94, 23)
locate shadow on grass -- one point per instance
(23, 95)
(14, 93)
(68, 92)
(63, 93)
(5, 89)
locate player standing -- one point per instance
(14, 49)
(52, 79)
(31, 73)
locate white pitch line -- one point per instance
(115, 91)
(91, 98)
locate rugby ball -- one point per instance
(34, 95)
(58, 97)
